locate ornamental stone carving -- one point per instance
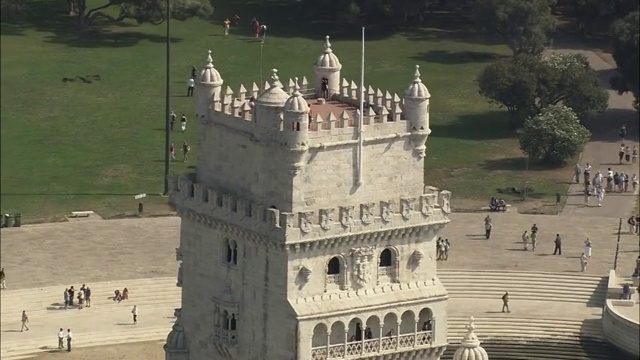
(366, 213)
(326, 218)
(305, 273)
(417, 257)
(427, 204)
(179, 283)
(346, 216)
(362, 267)
(386, 211)
(306, 219)
(178, 254)
(445, 201)
(407, 207)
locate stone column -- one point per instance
(328, 341)
(380, 338)
(398, 334)
(415, 333)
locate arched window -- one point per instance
(225, 320)
(233, 322)
(333, 267)
(385, 258)
(234, 254)
(295, 126)
(229, 256)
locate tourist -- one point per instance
(324, 88)
(600, 195)
(616, 181)
(638, 223)
(226, 23)
(627, 154)
(587, 193)
(256, 28)
(185, 151)
(626, 292)
(183, 122)
(263, 30)
(117, 296)
(623, 132)
(81, 299)
(534, 229)
(69, 338)
(587, 171)
(558, 242)
(172, 151)
(134, 311)
(72, 291)
(368, 334)
(534, 240)
(61, 339)
(194, 69)
(487, 229)
(66, 299)
(577, 172)
(3, 284)
(525, 240)
(634, 155)
(447, 246)
(87, 297)
(125, 294)
(583, 262)
(25, 321)
(587, 248)
(621, 153)
(191, 83)
(625, 182)
(505, 302)
(173, 119)
(236, 20)
(634, 182)
(632, 224)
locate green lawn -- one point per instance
(78, 146)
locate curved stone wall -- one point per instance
(621, 331)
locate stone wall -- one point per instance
(619, 330)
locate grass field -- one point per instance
(92, 146)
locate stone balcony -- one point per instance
(382, 345)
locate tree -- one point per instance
(143, 11)
(526, 84)
(525, 25)
(625, 52)
(553, 136)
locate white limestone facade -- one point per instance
(301, 242)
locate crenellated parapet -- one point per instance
(432, 207)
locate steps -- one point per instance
(506, 337)
(102, 324)
(521, 285)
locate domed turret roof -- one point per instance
(296, 103)
(209, 75)
(328, 59)
(417, 89)
(470, 348)
(274, 96)
(176, 339)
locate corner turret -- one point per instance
(416, 110)
(296, 128)
(470, 348)
(328, 66)
(209, 88)
(176, 346)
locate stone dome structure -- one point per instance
(296, 103)
(417, 89)
(470, 348)
(176, 341)
(209, 75)
(274, 96)
(328, 59)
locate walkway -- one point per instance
(602, 151)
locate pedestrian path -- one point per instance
(106, 322)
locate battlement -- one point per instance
(433, 206)
(334, 118)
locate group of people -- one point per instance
(634, 224)
(121, 295)
(259, 29)
(599, 184)
(83, 296)
(185, 145)
(625, 154)
(442, 249)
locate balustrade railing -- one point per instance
(224, 336)
(333, 279)
(369, 346)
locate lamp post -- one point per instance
(261, 49)
(167, 110)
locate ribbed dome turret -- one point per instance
(209, 75)
(328, 59)
(296, 103)
(176, 339)
(417, 89)
(274, 96)
(470, 348)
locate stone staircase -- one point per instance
(524, 285)
(514, 337)
(106, 322)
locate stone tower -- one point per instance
(327, 66)
(285, 254)
(209, 88)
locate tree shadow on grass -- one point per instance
(459, 57)
(490, 125)
(50, 17)
(606, 126)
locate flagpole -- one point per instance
(361, 119)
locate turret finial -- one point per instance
(296, 87)
(416, 75)
(275, 80)
(327, 45)
(470, 340)
(209, 59)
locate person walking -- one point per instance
(61, 339)
(87, 297)
(534, 241)
(172, 151)
(525, 240)
(25, 321)
(227, 24)
(173, 119)
(487, 229)
(505, 302)
(577, 172)
(134, 311)
(183, 122)
(69, 338)
(191, 83)
(587, 248)
(558, 242)
(71, 292)
(185, 151)
(584, 260)
(66, 298)
(3, 284)
(623, 132)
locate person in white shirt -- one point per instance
(600, 195)
(69, 338)
(191, 83)
(134, 311)
(60, 339)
